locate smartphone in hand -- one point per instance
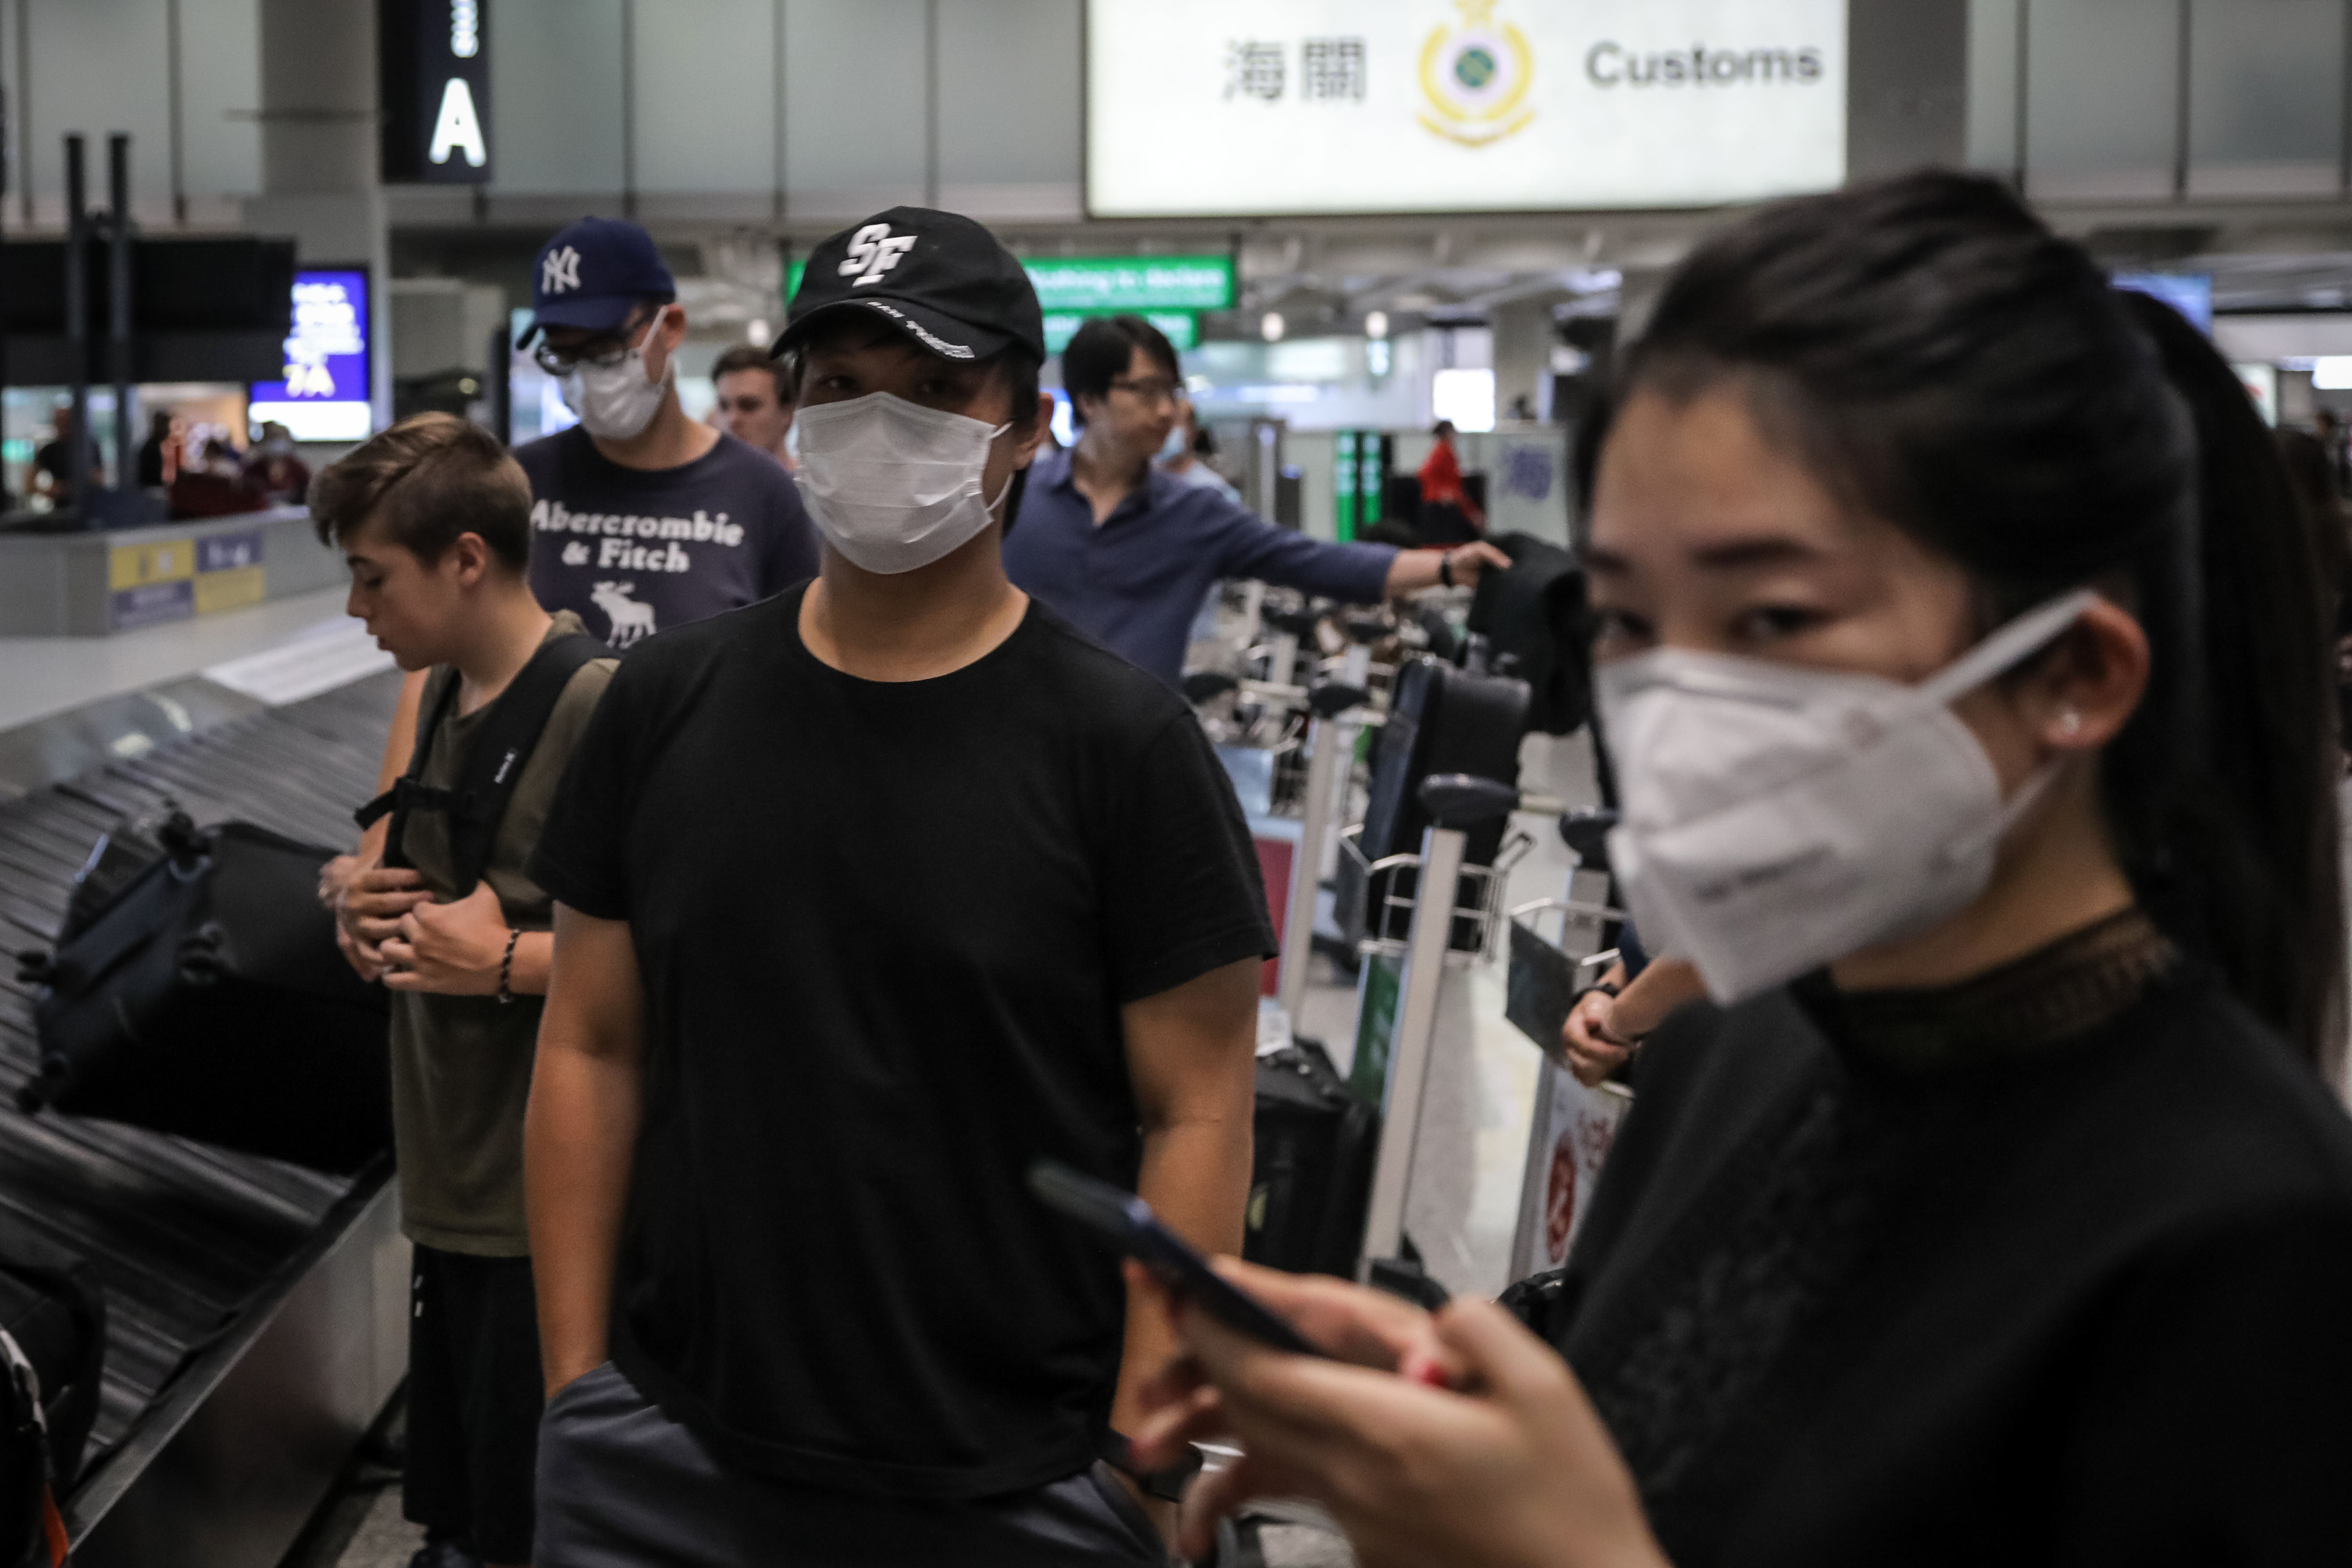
(1127, 1223)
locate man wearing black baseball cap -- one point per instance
(870, 897)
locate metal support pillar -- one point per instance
(76, 442)
(117, 309)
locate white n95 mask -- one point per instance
(890, 484)
(617, 401)
(1776, 819)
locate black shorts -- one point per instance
(622, 1485)
(475, 1397)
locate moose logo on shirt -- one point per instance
(630, 620)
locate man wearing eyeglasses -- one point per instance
(641, 517)
(1127, 552)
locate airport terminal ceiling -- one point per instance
(2163, 133)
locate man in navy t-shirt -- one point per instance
(641, 518)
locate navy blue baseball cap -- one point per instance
(592, 274)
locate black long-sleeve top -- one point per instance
(2051, 1268)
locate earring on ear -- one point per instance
(2070, 724)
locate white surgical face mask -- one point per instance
(890, 484)
(1776, 818)
(618, 401)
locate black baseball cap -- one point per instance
(592, 274)
(943, 279)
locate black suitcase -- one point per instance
(52, 1349)
(207, 999)
(1312, 1175)
(1441, 720)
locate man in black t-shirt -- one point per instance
(644, 518)
(868, 898)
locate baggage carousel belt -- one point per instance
(182, 1235)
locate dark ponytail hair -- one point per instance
(1947, 363)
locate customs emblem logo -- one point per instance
(1475, 77)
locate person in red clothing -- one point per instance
(1448, 515)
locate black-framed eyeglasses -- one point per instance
(605, 351)
(1151, 389)
(601, 354)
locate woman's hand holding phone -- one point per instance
(1458, 1438)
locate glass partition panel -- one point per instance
(555, 96)
(220, 86)
(855, 126)
(1992, 85)
(2265, 97)
(706, 95)
(2103, 89)
(1009, 108)
(98, 65)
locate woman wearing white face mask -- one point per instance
(1965, 680)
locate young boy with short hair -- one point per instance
(433, 518)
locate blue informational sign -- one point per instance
(324, 396)
(2190, 294)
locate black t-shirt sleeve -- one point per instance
(1181, 893)
(2215, 1426)
(582, 855)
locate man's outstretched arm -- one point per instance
(580, 1136)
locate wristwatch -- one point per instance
(1445, 568)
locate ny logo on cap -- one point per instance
(560, 271)
(874, 250)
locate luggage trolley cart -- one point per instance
(1451, 918)
(1573, 1126)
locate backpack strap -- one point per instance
(493, 763)
(409, 792)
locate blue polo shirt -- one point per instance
(1134, 581)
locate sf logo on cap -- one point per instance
(874, 250)
(560, 271)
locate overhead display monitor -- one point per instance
(324, 396)
(1240, 107)
(2190, 294)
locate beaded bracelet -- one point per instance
(506, 967)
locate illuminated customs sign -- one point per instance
(324, 396)
(434, 57)
(1305, 106)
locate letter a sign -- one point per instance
(435, 58)
(458, 128)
